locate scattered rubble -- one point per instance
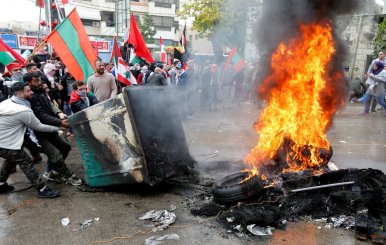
(161, 218)
(155, 240)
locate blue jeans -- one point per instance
(380, 100)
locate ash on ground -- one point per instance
(360, 207)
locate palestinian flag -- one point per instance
(71, 43)
(137, 41)
(8, 55)
(122, 72)
(134, 59)
(236, 62)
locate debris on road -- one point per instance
(172, 207)
(161, 218)
(260, 231)
(87, 223)
(65, 221)
(155, 240)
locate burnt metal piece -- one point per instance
(323, 186)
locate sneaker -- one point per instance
(47, 192)
(5, 188)
(73, 180)
(54, 176)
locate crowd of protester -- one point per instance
(37, 98)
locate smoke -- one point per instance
(280, 18)
(280, 21)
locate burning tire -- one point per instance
(228, 189)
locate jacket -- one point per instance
(77, 104)
(14, 119)
(43, 108)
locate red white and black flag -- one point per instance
(183, 37)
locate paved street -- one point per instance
(216, 140)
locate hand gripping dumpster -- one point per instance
(136, 137)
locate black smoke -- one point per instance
(280, 21)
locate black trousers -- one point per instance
(56, 148)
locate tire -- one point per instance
(229, 190)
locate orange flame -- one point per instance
(295, 108)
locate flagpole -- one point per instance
(35, 50)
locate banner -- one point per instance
(10, 40)
(101, 46)
(27, 42)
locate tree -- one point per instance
(221, 21)
(379, 39)
(147, 29)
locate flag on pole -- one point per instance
(136, 39)
(163, 52)
(8, 55)
(64, 2)
(134, 59)
(40, 3)
(183, 37)
(235, 61)
(122, 72)
(71, 43)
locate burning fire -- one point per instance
(295, 116)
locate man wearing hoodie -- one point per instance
(80, 98)
(16, 117)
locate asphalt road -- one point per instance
(217, 140)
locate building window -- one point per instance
(164, 3)
(86, 22)
(162, 28)
(108, 17)
(162, 21)
(196, 37)
(190, 38)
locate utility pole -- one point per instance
(47, 4)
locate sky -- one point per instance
(25, 10)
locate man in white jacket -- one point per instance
(16, 117)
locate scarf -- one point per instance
(26, 103)
(17, 77)
(83, 96)
(380, 67)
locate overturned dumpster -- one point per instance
(136, 137)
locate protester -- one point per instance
(80, 98)
(157, 79)
(140, 78)
(55, 88)
(173, 72)
(16, 116)
(102, 84)
(53, 145)
(67, 81)
(376, 81)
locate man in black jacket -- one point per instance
(80, 98)
(53, 145)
